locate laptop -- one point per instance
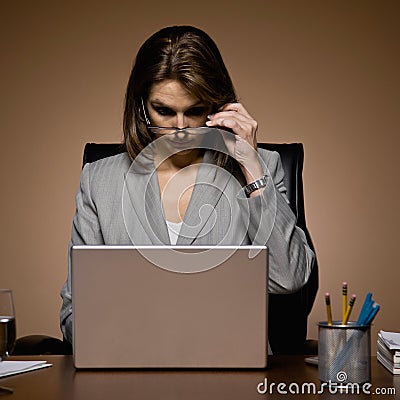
(170, 306)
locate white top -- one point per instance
(173, 230)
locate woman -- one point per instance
(181, 180)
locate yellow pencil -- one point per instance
(328, 308)
(349, 308)
(344, 301)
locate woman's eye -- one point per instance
(196, 111)
(164, 111)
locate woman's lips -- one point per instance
(181, 144)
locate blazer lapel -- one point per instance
(142, 200)
(142, 187)
(211, 181)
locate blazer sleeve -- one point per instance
(271, 222)
(85, 230)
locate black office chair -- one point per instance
(40, 344)
(288, 313)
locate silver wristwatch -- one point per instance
(253, 186)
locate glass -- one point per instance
(162, 130)
(7, 323)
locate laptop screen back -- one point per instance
(200, 307)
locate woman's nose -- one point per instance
(181, 121)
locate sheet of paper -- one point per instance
(8, 368)
(392, 339)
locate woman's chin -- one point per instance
(183, 152)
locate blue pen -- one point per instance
(374, 311)
(365, 309)
(368, 314)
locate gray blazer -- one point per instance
(118, 203)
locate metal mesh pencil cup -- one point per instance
(344, 353)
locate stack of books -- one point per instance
(388, 352)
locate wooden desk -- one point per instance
(62, 381)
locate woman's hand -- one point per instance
(235, 117)
(243, 144)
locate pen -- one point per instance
(328, 308)
(365, 309)
(349, 308)
(344, 301)
(374, 309)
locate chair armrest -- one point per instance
(40, 344)
(311, 347)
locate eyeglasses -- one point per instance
(162, 130)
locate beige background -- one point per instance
(325, 73)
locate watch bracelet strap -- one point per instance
(253, 186)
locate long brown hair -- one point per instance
(182, 53)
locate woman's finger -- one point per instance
(238, 107)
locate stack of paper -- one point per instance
(389, 351)
(18, 367)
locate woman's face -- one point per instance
(170, 105)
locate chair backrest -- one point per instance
(288, 313)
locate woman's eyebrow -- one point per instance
(160, 103)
